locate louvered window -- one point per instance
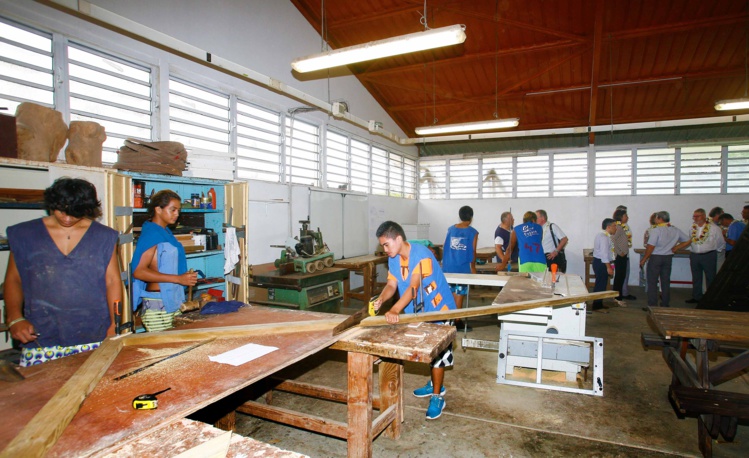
(198, 117)
(656, 171)
(302, 152)
(258, 143)
(613, 173)
(25, 67)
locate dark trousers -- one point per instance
(620, 272)
(700, 263)
(659, 268)
(602, 280)
(560, 261)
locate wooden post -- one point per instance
(391, 392)
(359, 435)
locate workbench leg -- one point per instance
(368, 282)
(359, 435)
(391, 393)
(346, 291)
(706, 442)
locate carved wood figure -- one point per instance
(85, 139)
(41, 132)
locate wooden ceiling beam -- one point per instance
(595, 72)
(688, 26)
(380, 15)
(519, 24)
(547, 69)
(550, 46)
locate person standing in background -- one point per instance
(554, 241)
(628, 232)
(502, 237)
(659, 256)
(620, 247)
(735, 228)
(528, 237)
(459, 255)
(602, 257)
(706, 241)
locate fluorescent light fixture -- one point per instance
(412, 42)
(735, 104)
(468, 126)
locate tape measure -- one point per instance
(147, 401)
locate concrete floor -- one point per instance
(484, 419)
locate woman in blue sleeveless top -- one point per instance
(62, 279)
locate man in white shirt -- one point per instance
(706, 241)
(554, 241)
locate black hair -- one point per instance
(606, 223)
(390, 230)
(726, 216)
(619, 214)
(465, 213)
(74, 197)
(161, 199)
(715, 211)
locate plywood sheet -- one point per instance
(107, 419)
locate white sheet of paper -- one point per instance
(243, 354)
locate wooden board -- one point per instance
(701, 324)
(183, 435)
(358, 262)
(106, 418)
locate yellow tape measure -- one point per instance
(147, 401)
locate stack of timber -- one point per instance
(169, 158)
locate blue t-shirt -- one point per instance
(529, 240)
(734, 232)
(435, 291)
(64, 297)
(457, 254)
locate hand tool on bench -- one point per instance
(182, 352)
(148, 401)
(190, 304)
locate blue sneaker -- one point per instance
(428, 390)
(436, 405)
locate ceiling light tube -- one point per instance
(468, 126)
(735, 104)
(412, 42)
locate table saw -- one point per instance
(321, 291)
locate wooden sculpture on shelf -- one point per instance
(41, 132)
(85, 143)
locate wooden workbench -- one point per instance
(366, 266)
(106, 420)
(394, 345)
(693, 386)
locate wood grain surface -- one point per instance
(106, 418)
(701, 324)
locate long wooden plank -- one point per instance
(152, 338)
(41, 433)
(500, 309)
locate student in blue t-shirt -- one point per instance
(528, 238)
(459, 253)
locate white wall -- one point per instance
(264, 35)
(580, 218)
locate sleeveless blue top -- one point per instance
(529, 237)
(65, 297)
(457, 254)
(435, 290)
